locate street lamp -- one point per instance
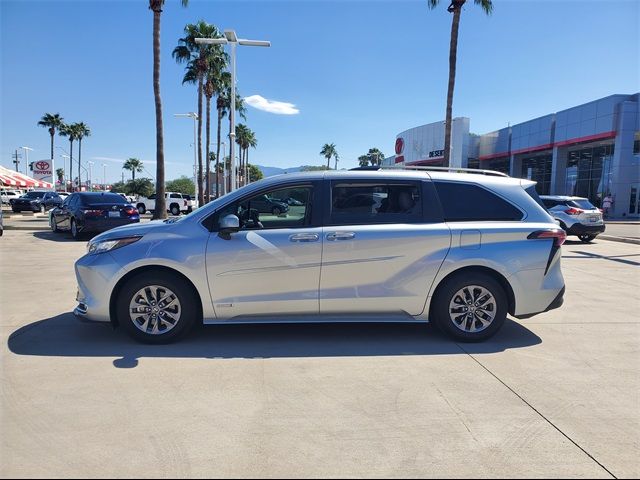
(65, 182)
(26, 156)
(104, 177)
(90, 176)
(232, 39)
(195, 156)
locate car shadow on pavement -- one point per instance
(61, 237)
(64, 336)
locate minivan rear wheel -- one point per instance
(470, 307)
(156, 307)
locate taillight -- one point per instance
(573, 211)
(130, 211)
(559, 236)
(92, 213)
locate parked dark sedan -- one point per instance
(92, 212)
(36, 202)
(265, 204)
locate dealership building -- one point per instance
(590, 150)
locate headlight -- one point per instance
(108, 245)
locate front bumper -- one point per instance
(30, 207)
(97, 275)
(582, 229)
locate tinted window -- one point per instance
(152, 197)
(549, 203)
(583, 204)
(175, 195)
(35, 194)
(374, 203)
(88, 198)
(467, 202)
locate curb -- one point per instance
(611, 238)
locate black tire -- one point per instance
(43, 208)
(188, 300)
(586, 238)
(449, 289)
(74, 230)
(141, 208)
(276, 211)
(53, 225)
(174, 209)
(15, 210)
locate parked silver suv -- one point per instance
(577, 216)
(459, 249)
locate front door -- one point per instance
(272, 265)
(383, 246)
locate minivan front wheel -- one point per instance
(470, 307)
(156, 307)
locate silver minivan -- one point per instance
(460, 249)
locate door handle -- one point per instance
(335, 236)
(304, 237)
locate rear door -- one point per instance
(384, 242)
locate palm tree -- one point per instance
(363, 160)
(242, 139)
(83, 131)
(224, 106)
(456, 8)
(53, 122)
(60, 175)
(328, 151)
(375, 156)
(195, 56)
(246, 139)
(225, 85)
(133, 165)
(71, 132)
(161, 208)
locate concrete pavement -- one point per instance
(553, 396)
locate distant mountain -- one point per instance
(271, 171)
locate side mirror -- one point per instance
(227, 225)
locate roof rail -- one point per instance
(478, 171)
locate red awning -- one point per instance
(17, 179)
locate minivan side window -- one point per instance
(470, 202)
(363, 203)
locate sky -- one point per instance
(351, 72)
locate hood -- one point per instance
(131, 230)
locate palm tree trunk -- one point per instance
(71, 164)
(218, 154)
(453, 52)
(52, 132)
(200, 192)
(208, 132)
(80, 164)
(161, 205)
(246, 166)
(328, 160)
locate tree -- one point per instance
(225, 85)
(133, 165)
(375, 156)
(82, 131)
(363, 160)
(255, 174)
(195, 56)
(118, 187)
(60, 175)
(140, 186)
(53, 122)
(328, 151)
(182, 185)
(454, 7)
(71, 132)
(161, 206)
(314, 168)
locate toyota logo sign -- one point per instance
(42, 165)
(399, 145)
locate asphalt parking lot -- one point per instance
(554, 396)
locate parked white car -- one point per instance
(7, 195)
(176, 204)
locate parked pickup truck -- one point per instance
(176, 203)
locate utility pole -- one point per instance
(16, 160)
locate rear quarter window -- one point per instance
(469, 202)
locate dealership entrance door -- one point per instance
(634, 200)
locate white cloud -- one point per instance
(271, 106)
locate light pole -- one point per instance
(224, 169)
(90, 177)
(26, 156)
(232, 39)
(104, 177)
(65, 182)
(195, 155)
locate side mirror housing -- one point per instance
(227, 225)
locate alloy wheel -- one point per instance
(472, 308)
(155, 310)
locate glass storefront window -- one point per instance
(589, 173)
(501, 164)
(538, 169)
